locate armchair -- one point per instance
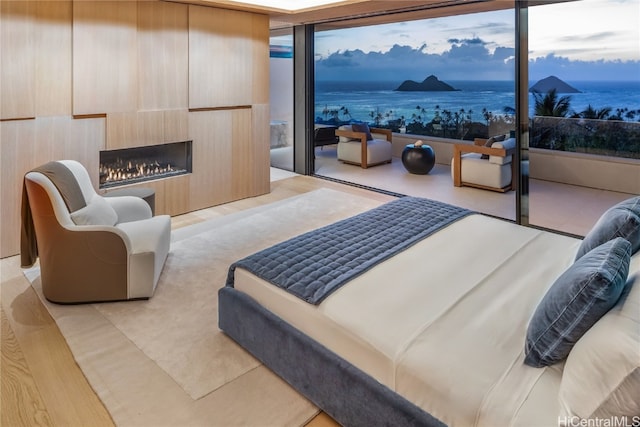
(91, 248)
(359, 147)
(490, 168)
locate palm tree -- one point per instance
(551, 105)
(377, 116)
(389, 115)
(488, 116)
(325, 111)
(595, 114)
(345, 112)
(631, 114)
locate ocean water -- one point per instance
(367, 97)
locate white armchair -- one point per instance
(91, 248)
(354, 147)
(490, 168)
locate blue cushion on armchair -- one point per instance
(362, 127)
(575, 302)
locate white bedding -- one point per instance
(444, 322)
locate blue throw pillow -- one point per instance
(362, 127)
(575, 302)
(621, 220)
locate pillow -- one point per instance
(344, 138)
(601, 377)
(576, 300)
(496, 138)
(621, 220)
(97, 212)
(362, 127)
(506, 144)
(490, 142)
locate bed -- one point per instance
(435, 333)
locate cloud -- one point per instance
(465, 59)
(576, 70)
(588, 38)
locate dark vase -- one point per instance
(418, 160)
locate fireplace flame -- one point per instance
(138, 164)
(120, 172)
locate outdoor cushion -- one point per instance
(483, 172)
(506, 144)
(362, 127)
(378, 151)
(490, 141)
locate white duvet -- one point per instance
(444, 322)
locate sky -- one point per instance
(581, 40)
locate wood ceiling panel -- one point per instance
(352, 13)
(366, 12)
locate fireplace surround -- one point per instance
(145, 163)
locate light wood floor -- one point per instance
(41, 382)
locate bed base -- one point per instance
(343, 391)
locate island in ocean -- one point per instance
(550, 83)
(430, 84)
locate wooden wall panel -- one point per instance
(75, 139)
(212, 172)
(151, 127)
(242, 155)
(16, 153)
(176, 125)
(163, 55)
(146, 128)
(220, 57)
(261, 147)
(105, 70)
(175, 198)
(171, 194)
(17, 56)
(30, 143)
(260, 61)
(121, 130)
(53, 58)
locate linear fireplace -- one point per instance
(138, 164)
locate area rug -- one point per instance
(164, 361)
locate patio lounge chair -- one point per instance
(482, 166)
(364, 148)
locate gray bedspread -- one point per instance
(313, 265)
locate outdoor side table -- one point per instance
(418, 159)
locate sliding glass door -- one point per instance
(443, 80)
(584, 72)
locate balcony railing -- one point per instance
(603, 137)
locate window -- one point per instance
(449, 77)
(584, 58)
(281, 99)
